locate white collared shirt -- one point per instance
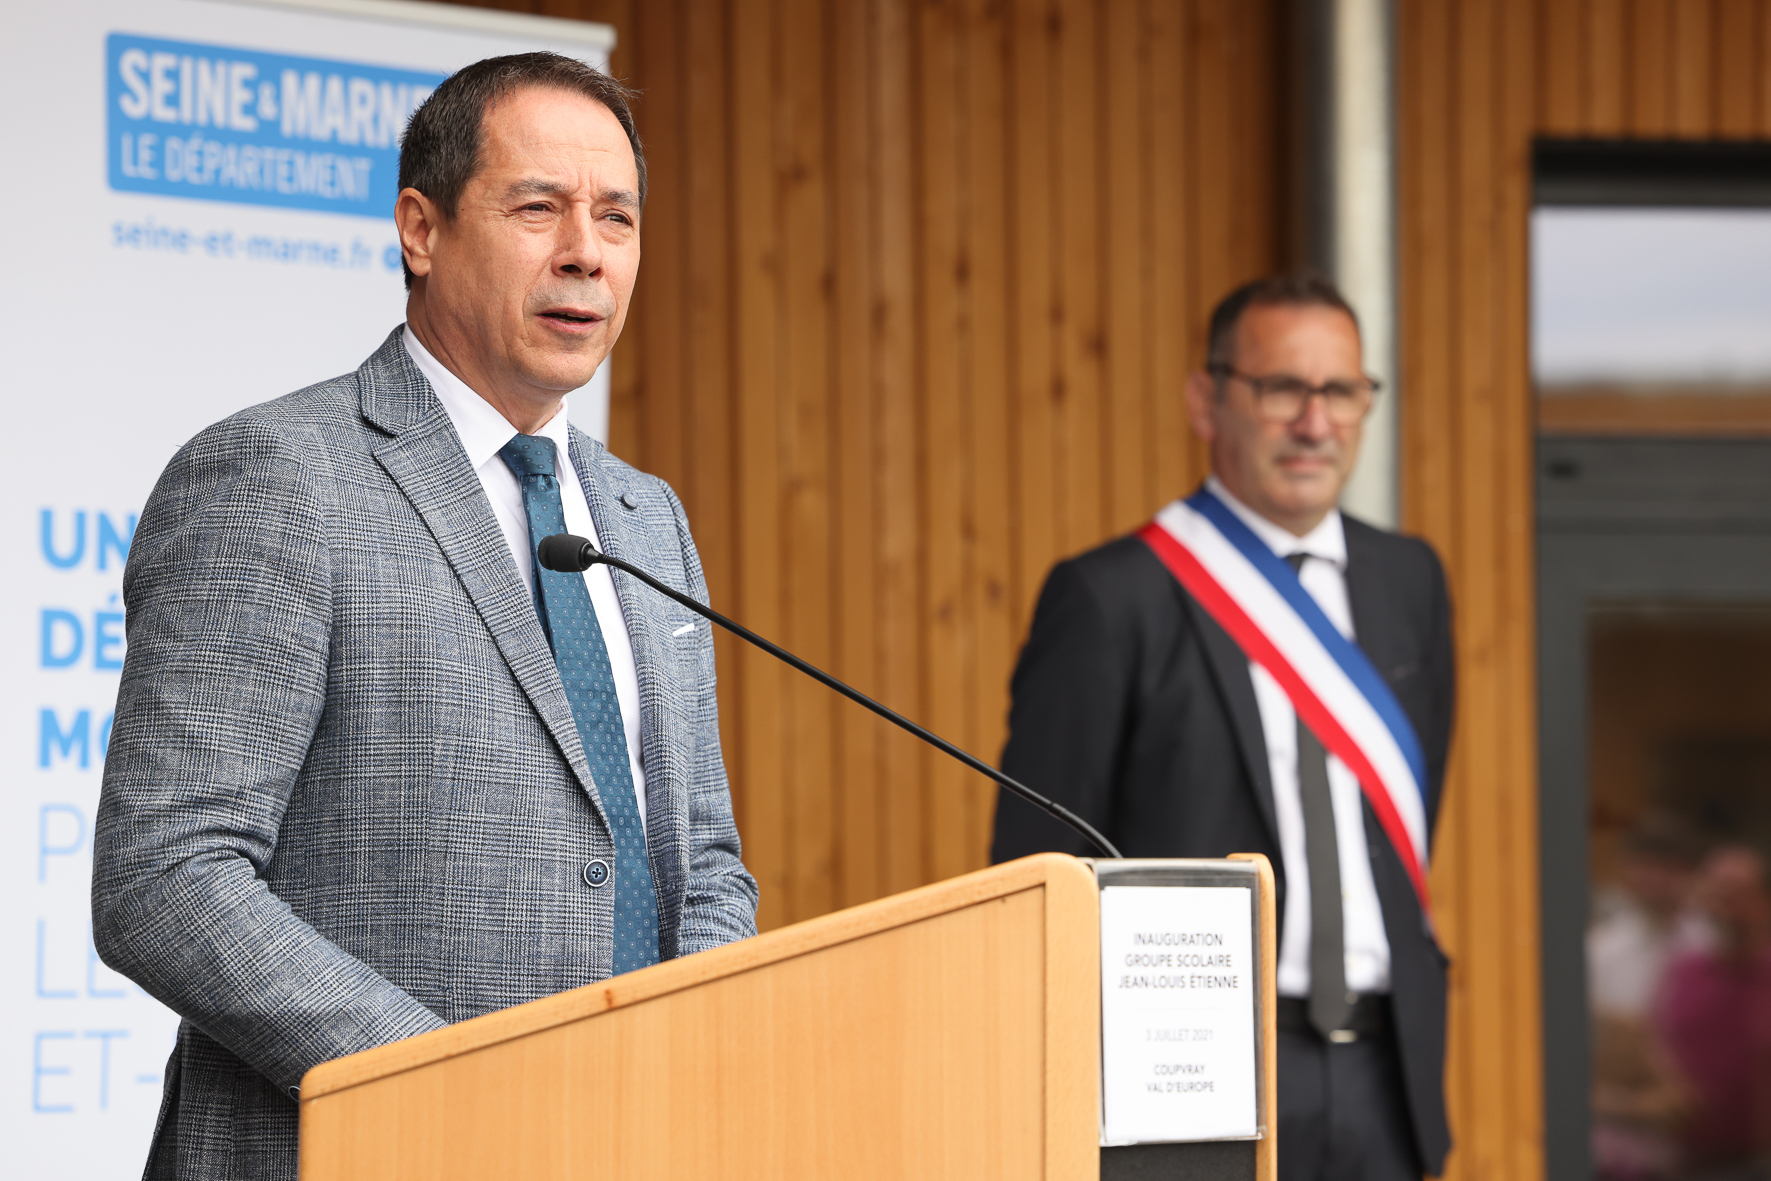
(1362, 919)
(483, 432)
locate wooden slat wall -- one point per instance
(922, 280)
(1479, 79)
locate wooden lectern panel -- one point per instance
(1267, 1148)
(948, 1032)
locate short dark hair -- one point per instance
(440, 150)
(1300, 289)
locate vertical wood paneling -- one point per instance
(994, 505)
(1649, 86)
(1431, 487)
(709, 223)
(757, 487)
(943, 306)
(1077, 137)
(1033, 288)
(860, 787)
(1261, 200)
(1129, 443)
(1607, 53)
(1480, 623)
(923, 281)
(1737, 56)
(1175, 336)
(1518, 1122)
(1479, 79)
(1692, 68)
(807, 609)
(1212, 69)
(1562, 88)
(1467, 115)
(1763, 80)
(897, 372)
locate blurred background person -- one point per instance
(1639, 1097)
(1714, 1015)
(1136, 707)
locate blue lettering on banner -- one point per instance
(63, 638)
(225, 124)
(105, 1036)
(76, 550)
(43, 991)
(111, 540)
(47, 844)
(39, 1071)
(113, 535)
(93, 966)
(73, 740)
(107, 636)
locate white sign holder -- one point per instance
(1186, 985)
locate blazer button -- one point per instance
(596, 874)
(627, 499)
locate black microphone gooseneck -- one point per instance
(570, 554)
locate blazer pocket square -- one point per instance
(685, 629)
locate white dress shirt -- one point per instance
(1362, 920)
(483, 432)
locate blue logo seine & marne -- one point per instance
(190, 120)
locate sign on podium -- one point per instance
(1183, 1007)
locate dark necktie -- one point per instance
(570, 621)
(1329, 1008)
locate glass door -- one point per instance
(1652, 363)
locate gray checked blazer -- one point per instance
(344, 801)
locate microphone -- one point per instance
(568, 553)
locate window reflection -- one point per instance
(1679, 961)
(1712, 1012)
(1679, 946)
(1640, 1100)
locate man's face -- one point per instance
(1289, 472)
(526, 288)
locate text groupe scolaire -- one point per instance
(1175, 960)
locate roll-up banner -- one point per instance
(196, 217)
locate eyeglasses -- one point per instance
(1283, 398)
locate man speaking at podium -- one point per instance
(373, 771)
(1256, 672)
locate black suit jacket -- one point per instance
(1135, 709)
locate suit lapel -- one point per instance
(1229, 666)
(424, 458)
(1368, 598)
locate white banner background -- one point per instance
(121, 339)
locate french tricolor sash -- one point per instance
(1256, 597)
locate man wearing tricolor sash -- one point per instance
(1254, 671)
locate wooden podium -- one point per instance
(951, 1031)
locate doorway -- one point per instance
(1651, 295)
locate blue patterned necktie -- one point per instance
(570, 621)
